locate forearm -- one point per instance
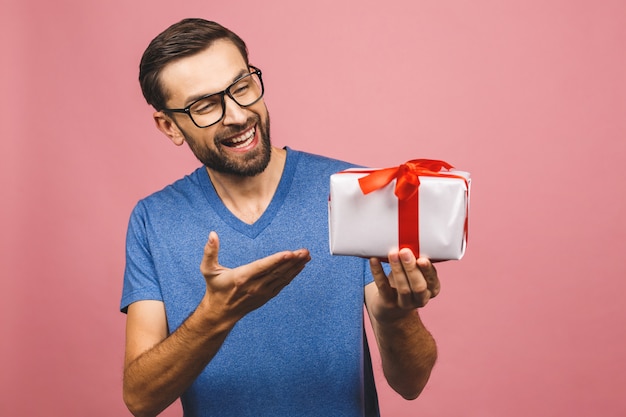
(157, 377)
(408, 352)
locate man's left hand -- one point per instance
(410, 284)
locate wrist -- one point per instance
(212, 319)
(396, 315)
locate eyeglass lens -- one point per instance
(209, 110)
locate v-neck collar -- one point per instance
(253, 230)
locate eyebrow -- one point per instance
(196, 97)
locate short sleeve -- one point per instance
(140, 276)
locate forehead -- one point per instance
(206, 72)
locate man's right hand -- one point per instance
(233, 293)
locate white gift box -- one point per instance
(371, 225)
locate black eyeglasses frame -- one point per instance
(222, 94)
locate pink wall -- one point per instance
(530, 96)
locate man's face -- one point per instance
(239, 144)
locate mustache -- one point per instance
(236, 129)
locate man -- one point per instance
(261, 328)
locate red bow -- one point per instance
(407, 176)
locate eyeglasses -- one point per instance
(209, 110)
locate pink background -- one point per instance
(529, 96)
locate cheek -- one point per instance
(205, 138)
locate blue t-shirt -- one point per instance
(304, 352)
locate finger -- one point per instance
(210, 261)
(398, 260)
(430, 275)
(414, 274)
(276, 278)
(285, 278)
(281, 265)
(422, 278)
(289, 269)
(381, 280)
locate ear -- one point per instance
(166, 125)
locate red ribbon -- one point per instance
(407, 185)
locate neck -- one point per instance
(248, 197)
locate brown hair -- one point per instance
(182, 39)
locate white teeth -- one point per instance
(243, 140)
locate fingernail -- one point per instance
(423, 262)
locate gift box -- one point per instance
(422, 204)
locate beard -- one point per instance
(249, 164)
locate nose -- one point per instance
(234, 114)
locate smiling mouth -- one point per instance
(241, 141)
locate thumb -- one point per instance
(209, 260)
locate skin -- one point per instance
(155, 371)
